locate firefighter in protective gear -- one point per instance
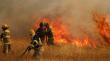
(5, 38)
(45, 34)
(36, 45)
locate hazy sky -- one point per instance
(18, 13)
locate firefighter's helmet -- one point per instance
(43, 24)
(32, 32)
(5, 26)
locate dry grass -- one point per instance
(57, 53)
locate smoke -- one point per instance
(20, 15)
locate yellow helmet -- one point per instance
(5, 26)
(32, 32)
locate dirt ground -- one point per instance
(56, 53)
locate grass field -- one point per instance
(57, 53)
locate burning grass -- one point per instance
(67, 47)
(103, 27)
(62, 34)
(57, 53)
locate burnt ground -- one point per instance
(56, 53)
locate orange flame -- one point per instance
(84, 42)
(103, 26)
(62, 34)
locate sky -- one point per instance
(18, 14)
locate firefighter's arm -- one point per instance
(50, 37)
(33, 43)
(1, 37)
(40, 42)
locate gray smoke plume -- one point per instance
(77, 13)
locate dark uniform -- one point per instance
(36, 44)
(44, 32)
(43, 36)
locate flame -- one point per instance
(62, 34)
(102, 26)
(84, 42)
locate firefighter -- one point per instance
(43, 36)
(5, 38)
(44, 32)
(35, 45)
